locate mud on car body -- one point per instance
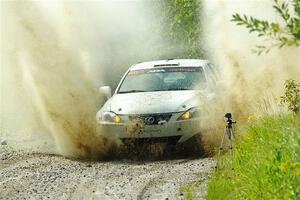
(158, 101)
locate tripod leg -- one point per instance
(229, 133)
(221, 148)
(222, 142)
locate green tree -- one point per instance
(182, 27)
(278, 34)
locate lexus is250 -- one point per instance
(158, 101)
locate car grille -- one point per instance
(152, 119)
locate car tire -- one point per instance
(193, 146)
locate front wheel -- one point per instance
(194, 146)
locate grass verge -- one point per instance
(266, 162)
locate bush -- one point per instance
(291, 95)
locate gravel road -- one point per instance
(32, 175)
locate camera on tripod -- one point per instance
(229, 132)
(228, 119)
(228, 116)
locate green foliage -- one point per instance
(187, 191)
(267, 163)
(291, 95)
(279, 35)
(183, 28)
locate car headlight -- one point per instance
(191, 113)
(111, 117)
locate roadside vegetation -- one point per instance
(291, 97)
(266, 158)
(266, 162)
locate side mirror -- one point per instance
(106, 90)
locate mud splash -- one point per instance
(55, 56)
(250, 83)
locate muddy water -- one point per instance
(55, 56)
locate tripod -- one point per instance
(229, 132)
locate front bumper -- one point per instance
(179, 130)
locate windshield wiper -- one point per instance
(130, 91)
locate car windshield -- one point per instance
(163, 79)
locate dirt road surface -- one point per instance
(29, 175)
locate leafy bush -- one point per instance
(291, 95)
(267, 163)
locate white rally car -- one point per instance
(158, 101)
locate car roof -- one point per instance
(170, 63)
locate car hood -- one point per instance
(152, 102)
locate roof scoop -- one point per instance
(166, 65)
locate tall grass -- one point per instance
(266, 162)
